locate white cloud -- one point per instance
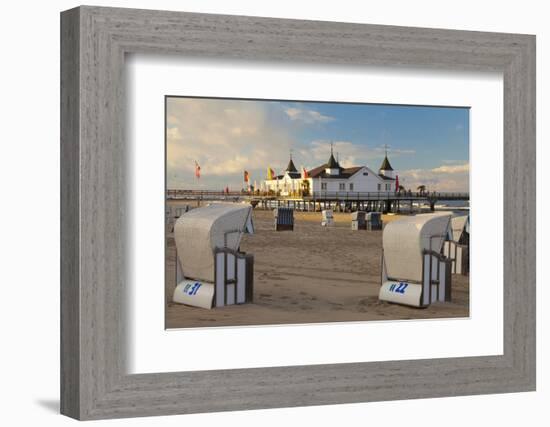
(442, 178)
(307, 116)
(349, 153)
(225, 137)
(452, 168)
(452, 162)
(393, 151)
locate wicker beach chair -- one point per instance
(284, 219)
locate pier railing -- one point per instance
(322, 195)
(386, 195)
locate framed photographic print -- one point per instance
(221, 158)
(301, 212)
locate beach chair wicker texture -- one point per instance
(284, 219)
(358, 221)
(374, 221)
(457, 245)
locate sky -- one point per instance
(425, 145)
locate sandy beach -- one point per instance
(310, 275)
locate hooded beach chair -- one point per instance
(457, 245)
(284, 219)
(358, 221)
(414, 271)
(373, 221)
(327, 218)
(210, 268)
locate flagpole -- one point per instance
(197, 177)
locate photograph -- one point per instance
(298, 212)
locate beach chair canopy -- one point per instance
(404, 240)
(458, 226)
(201, 230)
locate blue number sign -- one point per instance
(398, 288)
(192, 289)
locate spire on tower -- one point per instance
(385, 167)
(291, 167)
(332, 163)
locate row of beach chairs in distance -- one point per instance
(284, 219)
(366, 221)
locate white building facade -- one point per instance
(332, 178)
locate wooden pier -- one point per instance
(343, 201)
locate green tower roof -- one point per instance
(386, 165)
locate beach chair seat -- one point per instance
(233, 282)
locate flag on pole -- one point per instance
(270, 173)
(197, 170)
(396, 182)
(304, 173)
(246, 176)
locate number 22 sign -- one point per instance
(398, 288)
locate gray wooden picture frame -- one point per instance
(94, 41)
